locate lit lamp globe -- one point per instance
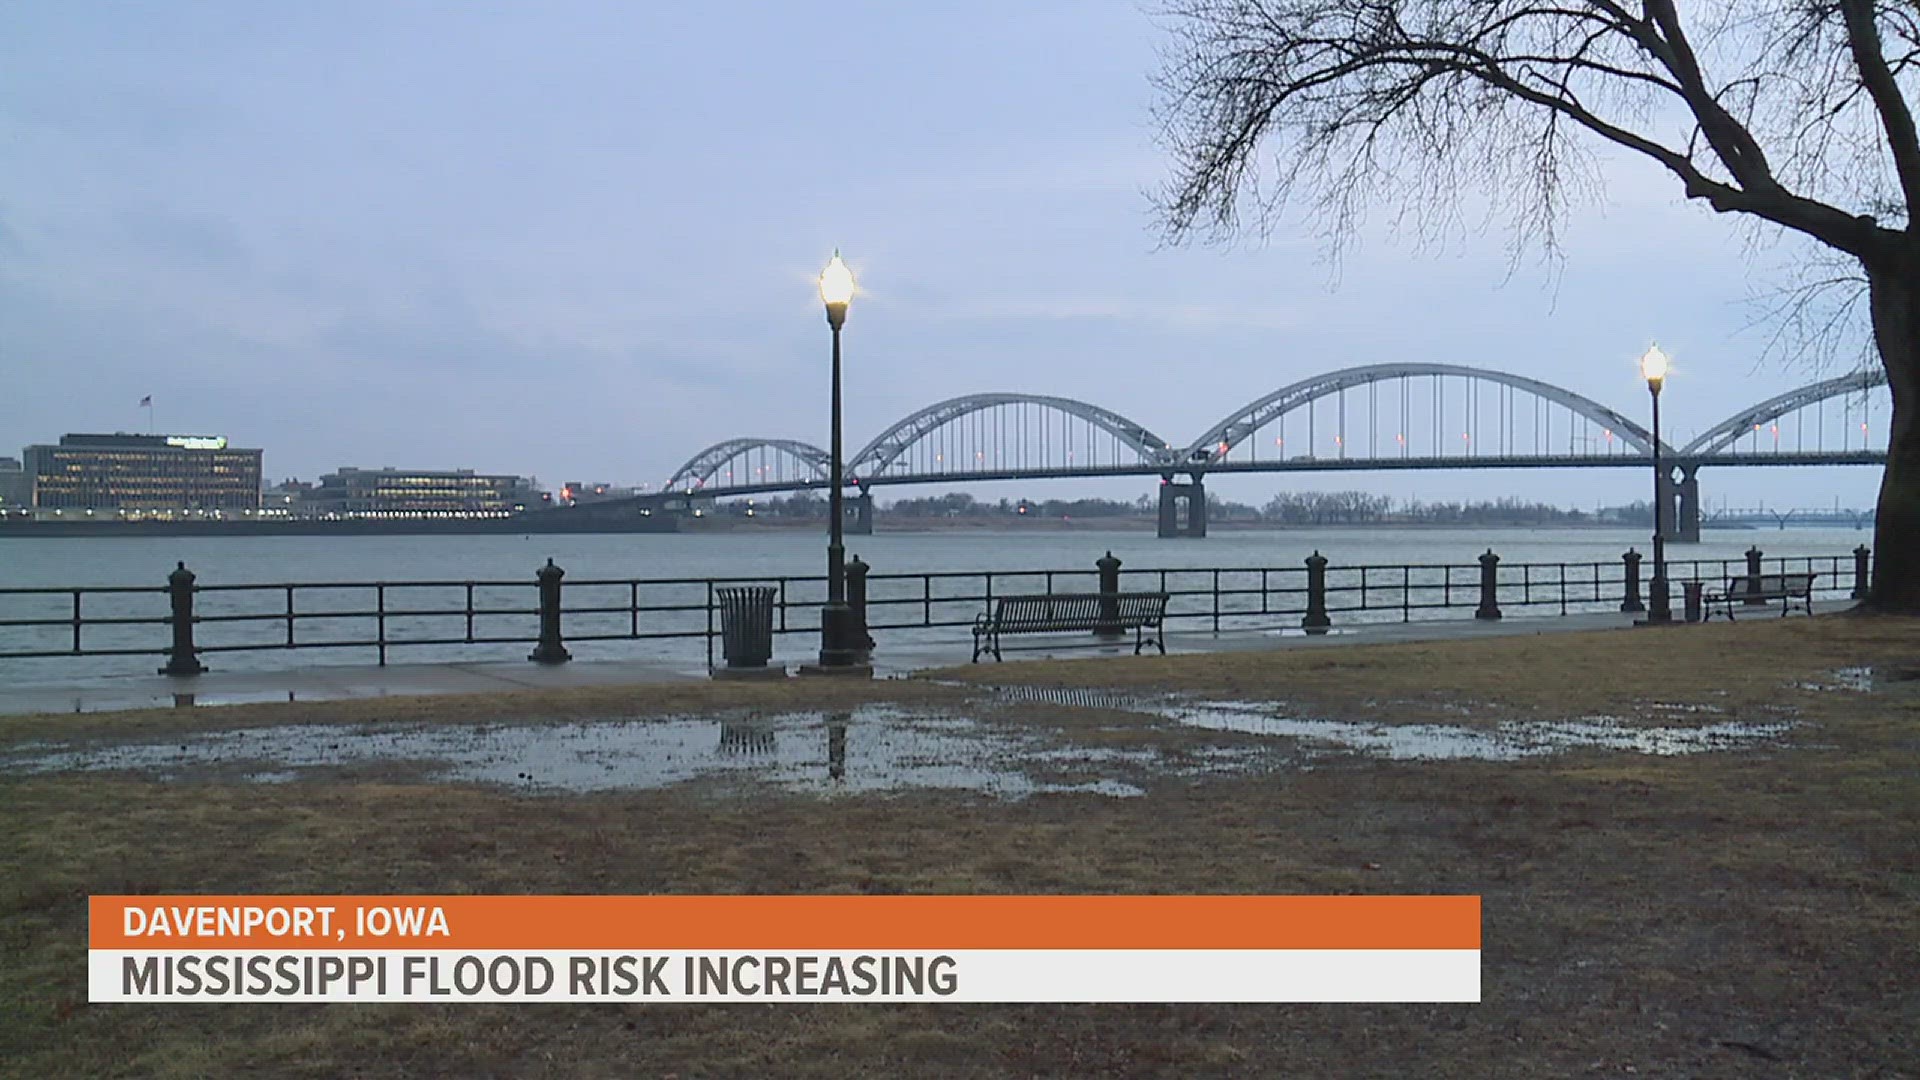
(1653, 367)
(836, 290)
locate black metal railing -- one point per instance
(184, 620)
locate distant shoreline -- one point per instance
(545, 523)
(883, 524)
(564, 523)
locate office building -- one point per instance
(15, 489)
(390, 492)
(143, 473)
(573, 492)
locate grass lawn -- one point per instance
(1743, 913)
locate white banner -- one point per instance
(1014, 975)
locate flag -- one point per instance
(146, 401)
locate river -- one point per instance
(145, 561)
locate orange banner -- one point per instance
(499, 923)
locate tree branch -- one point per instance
(1863, 38)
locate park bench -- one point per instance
(1063, 612)
(1785, 588)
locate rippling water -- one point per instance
(145, 561)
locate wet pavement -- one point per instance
(894, 658)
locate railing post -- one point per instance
(1490, 585)
(1109, 568)
(1631, 600)
(1753, 577)
(857, 602)
(1315, 621)
(1861, 555)
(550, 650)
(182, 658)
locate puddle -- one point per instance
(1863, 679)
(873, 749)
(1857, 679)
(1683, 707)
(1508, 741)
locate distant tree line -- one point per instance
(1285, 508)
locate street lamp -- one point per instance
(840, 645)
(1653, 367)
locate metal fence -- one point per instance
(184, 621)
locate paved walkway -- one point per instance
(324, 683)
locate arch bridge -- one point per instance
(1365, 418)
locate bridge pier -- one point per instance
(860, 510)
(1174, 523)
(1689, 517)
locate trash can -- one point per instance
(1690, 599)
(746, 625)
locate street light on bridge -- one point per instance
(840, 643)
(1653, 367)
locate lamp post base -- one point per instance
(1659, 603)
(842, 641)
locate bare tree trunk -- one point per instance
(1895, 299)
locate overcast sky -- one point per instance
(577, 240)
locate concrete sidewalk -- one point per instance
(332, 683)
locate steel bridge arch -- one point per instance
(700, 467)
(1249, 418)
(1726, 432)
(886, 448)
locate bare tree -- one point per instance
(1792, 113)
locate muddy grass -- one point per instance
(1753, 912)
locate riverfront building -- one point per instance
(143, 473)
(391, 492)
(574, 493)
(15, 488)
